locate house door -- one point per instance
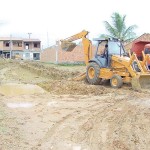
(36, 56)
(6, 54)
(27, 46)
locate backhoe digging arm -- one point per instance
(68, 45)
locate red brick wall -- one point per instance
(77, 55)
(48, 55)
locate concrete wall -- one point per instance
(1, 45)
(17, 52)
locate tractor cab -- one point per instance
(106, 48)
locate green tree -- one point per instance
(118, 29)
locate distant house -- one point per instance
(143, 37)
(27, 49)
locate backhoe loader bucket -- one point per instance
(141, 82)
(67, 46)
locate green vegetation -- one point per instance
(118, 29)
(65, 64)
(71, 65)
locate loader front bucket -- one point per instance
(67, 46)
(141, 82)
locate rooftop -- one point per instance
(18, 39)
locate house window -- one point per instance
(27, 55)
(27, 46)
(19, 44)
(7, 44)
(35, 45)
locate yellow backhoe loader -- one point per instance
(110, 62)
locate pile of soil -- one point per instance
(58, 82)
(47, 71)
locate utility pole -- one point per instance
(29, 35)
(10, 46)
(57, 47)
(47, 40)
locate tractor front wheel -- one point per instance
(92, 73)
(116, 81)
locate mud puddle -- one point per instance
(20, 105)
(14, 89)
(53, 104)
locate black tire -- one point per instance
(92, 73)
(135, 66)
(116, 81)
(106, 82)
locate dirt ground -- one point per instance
(68, 115)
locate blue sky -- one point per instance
(50, 20)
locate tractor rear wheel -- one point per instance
(116, 81)
(92, 73)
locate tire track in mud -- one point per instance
(51, 132)
(118, 129)
(96, 139)
(87, 128)
(85, 114)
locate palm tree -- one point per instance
(118, 28)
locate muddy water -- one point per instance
(20, 105)
(13, 89)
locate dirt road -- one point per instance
(69, 115)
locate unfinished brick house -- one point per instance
(27, 49)
(55, 54)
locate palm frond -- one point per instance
(110, 29)
(129, 30)
(118, 28)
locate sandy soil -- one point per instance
(70, 115)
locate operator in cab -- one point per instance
(106, 51)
